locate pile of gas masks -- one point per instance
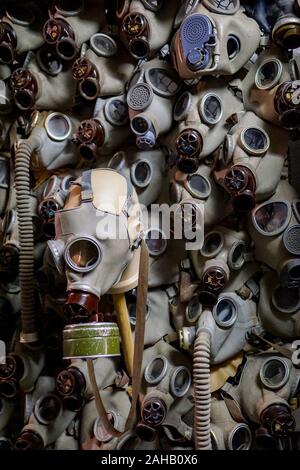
(150, 225)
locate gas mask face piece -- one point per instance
(286, 30)
(106, 131)
(19, 30)
(105, 202)
(203, 122)
(279, 307)
(167, 380)
(253, 153)
(217, 38)
(274, 228)
(231, 320)
(104, 70)
(270, 89)
(274, 381)
(38, 86)
(146, 26)
(71, 26)
(150, 100)
(223, 251)
(146, 171)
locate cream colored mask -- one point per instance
(97, 238)
(217, 38)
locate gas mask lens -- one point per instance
(153, 5)
(103, 45)
(20, 15)
(274, 373)
(226, 7)
(156, 370)
(163, 83)
(83, 254)
(268, 74)
(225, 312)
(255, 141)
(240, 437)
(213, 244)
(182, 106)
(156, 241)
(272, 218)
(180, 381)
(58, 126)
(236, 256)
(286, 300)
(198, 186)
(211, 109)
(116, 112)
(141, 173)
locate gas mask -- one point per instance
(274, 228)
(253, 155)
(158, 318)
(106, 131)
(217, 38)
(145, 26)
(226, 433)
(20, 372)
(150, 98)
(279, 307)
(93, 435)
(73, 384)
(273, 381)
(223, 251)
(36, 86)
(203, 118)
(53, 199)
(9, 251)
(4, 181)
(146, 171)
(167, 380)
(103, 70)
(98, 259)
(47, 422)
(165, 251)
(202, 188)
(270, 89)
(69, 26)
(229, 323)
(19, 30)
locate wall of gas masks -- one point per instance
(116, 333)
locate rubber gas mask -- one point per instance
(230, 321)
(69, 26)
(167, 380)
(203, 118)
(274, 228)
(20, 30)
(217, 38)
(273, 381)
(270, 89)
(106, 131)
(223, 251)
(253, 156)
(146, 171)
(279, 307)
(145, 26)
(103, 70)
(150, 98)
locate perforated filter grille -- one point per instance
(292, 240)
(140, 96)
(196, 30)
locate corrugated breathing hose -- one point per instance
(26, 241)
(201, 372)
